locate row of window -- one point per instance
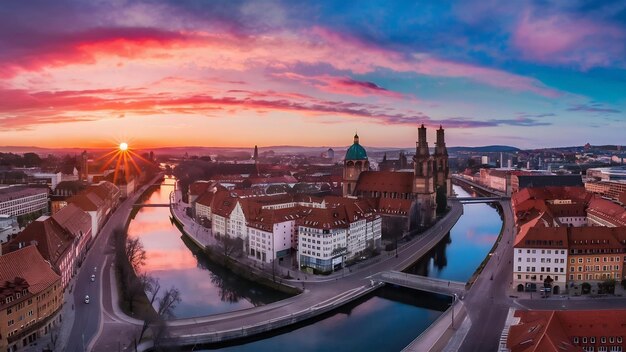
(543, 269)
(596, 268)
(543, 251)
(534, 277)
(596, 276)
(597, 259)
(592, 339)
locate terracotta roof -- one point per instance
(223, 203)
(87, 201)
(266, 218)
(555, 330)
(567, 210)
(385, 181)
(199, 187)
(105, 190)
(52, 240)
(607, 210)
(206, 198)
(533, 236)
(324, 218)
(73, 219)
(597, 237)
(27, 263)
(270, 180)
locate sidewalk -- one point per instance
(293, 276)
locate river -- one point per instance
(386, 320)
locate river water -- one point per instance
(205, 287)
(386, 320)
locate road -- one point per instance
(488, 302)
(332, 289)
(87, 317)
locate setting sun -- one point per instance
(123, 146)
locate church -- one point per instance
(401, 193)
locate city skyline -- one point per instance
(277, 73)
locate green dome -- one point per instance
(356, 151)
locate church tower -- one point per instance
(442, 173)
(84, 166)
(354, 163)
(423, 180)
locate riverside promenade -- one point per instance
(321, 293)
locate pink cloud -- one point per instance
(341, 85)
(564, 39)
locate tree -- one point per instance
(165, 310)
(31, 159)
(231, 246)
(129, 257)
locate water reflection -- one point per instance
(386, 320)
(205, 288)
(458, 255)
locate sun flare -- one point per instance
(123, 146)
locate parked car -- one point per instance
(87, 299)
(93, 277)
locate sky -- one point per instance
(311, 73)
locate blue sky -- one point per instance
(234, 73)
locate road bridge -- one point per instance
(478, 186)
(422, 283)
(466, 200)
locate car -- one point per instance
(93, 277)
(87, 299)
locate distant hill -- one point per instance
(279, 149)
(485, 149)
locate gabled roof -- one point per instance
(73, 219)
(223, 203)
(52, 240)
(554, 331)
(86, 201)
(27, 263)
(532, 236)
(324, 218)
(385, 181)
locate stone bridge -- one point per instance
(422, 283)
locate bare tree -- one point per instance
(231, 246)
(165, 310)
(129, 257)
(135, 253)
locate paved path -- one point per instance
(320, 293)
(88, 318)
(422, 283)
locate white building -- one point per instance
(21, 200)
(322, 242)
(270, 237)
(540, 252)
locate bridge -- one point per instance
(422, 283)
(490, 191)
(466, 200)
(151, 205)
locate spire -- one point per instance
(421, 148)
(356, 138)
(440, 144)
(256, 153)
(385, 157)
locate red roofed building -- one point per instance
(429, 174)
(540, 255)
(602, 212)
(78, 223)
(54, 243)
(558, 331)
(30, 298)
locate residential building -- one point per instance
(596, 254)
(322, 240)
(608, 189)
(573, 330)
(78, 223)
(540, 257)
(30, 298)
(55, 244)
(22, 200)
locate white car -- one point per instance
(87, 299)
(93, 278)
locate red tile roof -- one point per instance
(28, 264)
(223, 203)
(385, 181)
(607, 210)
(52, 240)
(73, 219)
(533, 236)
(552, 331)
(324, 218)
